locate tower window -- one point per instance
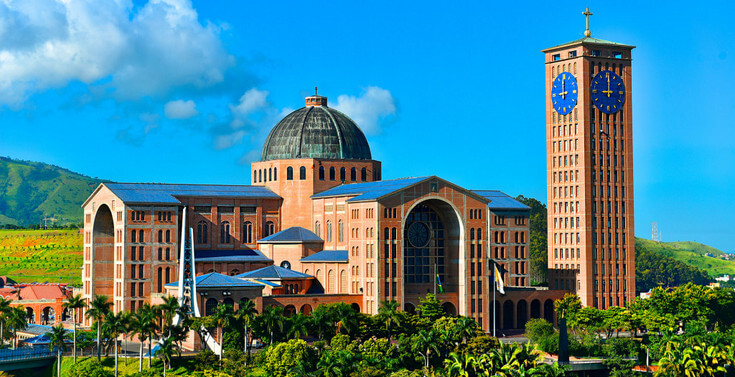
(331, 173)
(342, 174)
(353, 174)
(556, 57)
(289, 173)
(617, 54)
(596, 53)
(572, 54)
(302, 173)
(363, 175)
(321, 173)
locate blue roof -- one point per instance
(217, 280)
(369, 190)
(273, 272)
(167, 193)
(327, 256)
(501, 200)
(244, 255)
(292, 234)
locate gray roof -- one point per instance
(589, 40)
(294, 234)
(369, 190)
(161, 193)
(500, 200)
(217, 280)
(330, 256)
(316, 132)
(244, 255)
(273, 273)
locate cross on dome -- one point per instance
(587, 15)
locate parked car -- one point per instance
(257, 343)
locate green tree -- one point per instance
(167, 348)
(272, 320)
(18, 320)
(245, 314)
(281, 358)
(114, 326)
(297, 326)
(5, 311)
(222, 317)
(72, 303)
(57, 337)
(389, 315)
(98, 308)
(143, 325)
(430, 307)
(568, 307)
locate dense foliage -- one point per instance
(653, 270)
(538, 237)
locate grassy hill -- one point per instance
(691, 253)
(31, 190)
(41, 255)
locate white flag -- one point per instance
(499, 281)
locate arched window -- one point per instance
(140, 236)
(160, 236)
(255, 176)
(201, 232)
(331, 173)
(353, 174)
(342, 174)
(160, 280)
(160, 253)
(318, 229)
(168, 254)
(363, 174)
(321, 173)
(343, 282)
(168, 275)
(330, 282)
(269, 229)
(168, 236)
(320, 278)
(260, 175)
(472, 234)
(275, 174)
(329, 231)
(289, 173)
(302, 173)
(247, 232)
(133, 235)
(224, 232)
(270, 174)
(340, 231)
(479, 233)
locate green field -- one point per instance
(28, 256)
(691, 253)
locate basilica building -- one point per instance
(318, 224)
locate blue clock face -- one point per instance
(608, 92)
(564, 93)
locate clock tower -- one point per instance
(589, 142)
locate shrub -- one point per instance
(88, 368)
(541, 332)
(280, 359)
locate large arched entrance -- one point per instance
(432, 235)
(103, 250)
(536, 309)
(522, 313)
(549, 310)
(508, 314)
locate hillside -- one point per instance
(692, 254)
(41, 255)
(31, 190)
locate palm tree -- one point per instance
(244, 314)
(127, 318)
(429, 341)
(98, 308)
(222, 317)
(390, 315)
(115, 325)
(73, 303)
(460, 365)
(272, 318)
(4, 315)
(58, 341)
(166, 349)
(17, 320)
(139, 325)
(146, 326)
(347, 319)
(297, 326)
(169, 308)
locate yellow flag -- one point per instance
(499, 281)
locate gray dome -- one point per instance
(316, 132)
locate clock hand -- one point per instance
(608, 91)
(563, 88)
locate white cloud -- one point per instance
(370, 109)
(111, 45)
(253, 100)
(180, 109)
(229, 140)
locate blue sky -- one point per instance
(173, 91)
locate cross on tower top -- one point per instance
(587, 15)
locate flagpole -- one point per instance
(495, 287)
